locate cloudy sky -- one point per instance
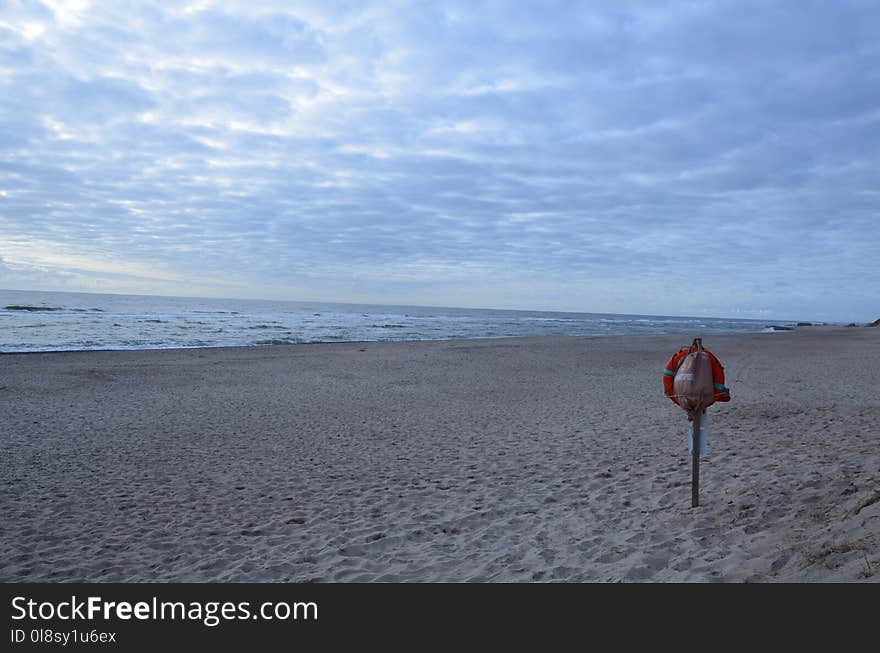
(686, 158)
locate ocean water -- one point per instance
(56, 321)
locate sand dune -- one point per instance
(552, 459)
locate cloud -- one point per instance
(687, 158)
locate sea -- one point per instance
(32, 321)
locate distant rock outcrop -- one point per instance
(805, 324)
(874, 323)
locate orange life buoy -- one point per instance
(722, 392)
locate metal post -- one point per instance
(695, 445)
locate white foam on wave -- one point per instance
(773, 329)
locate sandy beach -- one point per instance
(524, 460)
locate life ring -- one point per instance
(722, 392)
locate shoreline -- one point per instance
(523, 459)
(825, 328)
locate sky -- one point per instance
(716, 158)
